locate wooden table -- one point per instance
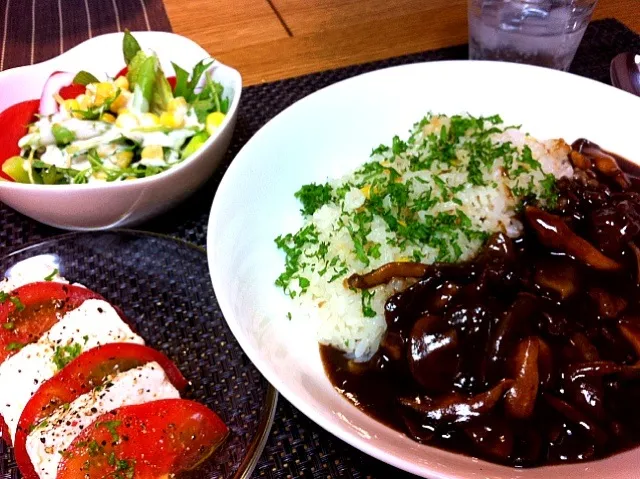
(273, 39)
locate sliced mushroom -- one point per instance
(386, 273)
(587, 394)
(418, 431)
(443, 295)
(455, 408)
(553, 232)
(603, 162)
(602, 368)
(609, 305)
(586, 351)
(631, 332)
(579, 160)
(545, 363)
(433, 354)
(558, 275)
(510, 326)
(520, 400)
(636, 254)
(598, 434)
(493, 438)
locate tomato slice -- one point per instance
(85, 373)
(14, 122)
(31, 310)
(147, 441)
(71, 91)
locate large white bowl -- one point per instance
(327, 134)
(109, 205)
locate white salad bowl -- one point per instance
(107, 205)
(325, 136)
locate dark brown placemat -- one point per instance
(297, 448)
(32, 31)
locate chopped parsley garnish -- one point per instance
(313, 197)
(65, 354)
(10, 326)
(111, 426)
(41, 425)
(3, 297)
(17, 303)
(51, 276)
(423, 199)
(14, 346)
(367, 310)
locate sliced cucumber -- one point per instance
(194, 144)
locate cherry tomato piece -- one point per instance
(71, 91)
(14, 122)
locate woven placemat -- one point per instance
(32, 31)
(297, 448)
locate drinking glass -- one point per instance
(539, 32)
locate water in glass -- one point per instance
(539, 32)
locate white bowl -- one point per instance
(326, 135)
(108, 205)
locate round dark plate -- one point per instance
(163, 286)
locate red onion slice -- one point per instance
(58, 80)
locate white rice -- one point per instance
(322, 256)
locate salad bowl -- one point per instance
(103, 205)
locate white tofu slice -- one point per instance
(93, 324)
(137, 386)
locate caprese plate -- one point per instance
(113, 343)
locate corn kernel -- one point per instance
(403, 259)
(152, 152)
(120, 102)
(176, 104)
(100, 175)
(127, 121)
(172, 120)
(104, 90)
(84, 101)
(71, 105)
(124, 158)
(122, 83)
(214, 120)
(108, 118)
(402, 223)
(148, 120)
(366, 191)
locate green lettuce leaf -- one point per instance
(130, 47)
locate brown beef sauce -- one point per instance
(528, 355)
